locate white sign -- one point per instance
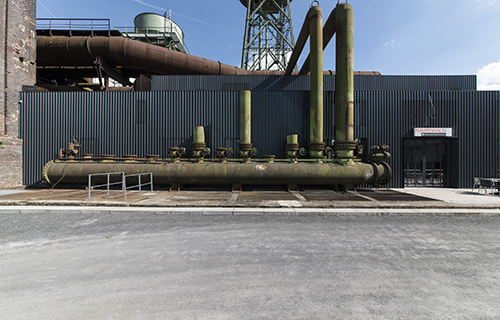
(432, 132)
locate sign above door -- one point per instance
(432, 132)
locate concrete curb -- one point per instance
(176, 211)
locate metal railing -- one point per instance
(138, 175)
(122, 182)
(73, 24)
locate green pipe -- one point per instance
(199, 134)
(344, 82)
(329, 30)
(199, 145)
(225, 173)
(245, 124)
(245, 116)
(299, 46)
(292, 138)
(316, 145)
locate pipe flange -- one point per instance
(292, 147)
(221, 153)
(199, 146)
(129, 156)
(316, 150)
(45, 171)
(316, 146)
(88, 157)
(245, 147)
(344, 145)
(152, 157)
(387, 177)
(107, 157)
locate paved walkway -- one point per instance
(455, 196)
(323, 201)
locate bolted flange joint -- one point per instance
(344, 150)
(222, 153)
(246, 150)
(316, 150)
(292, 150)
(199, 149)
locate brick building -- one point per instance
(17, 69)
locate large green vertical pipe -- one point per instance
(316, 109)
(245, 116)
(344, 81)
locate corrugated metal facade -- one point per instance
(150, 122)
(278, 83)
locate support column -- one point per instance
(316, 144)
(344, 84)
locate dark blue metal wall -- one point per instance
(278, 83)
(150, 122)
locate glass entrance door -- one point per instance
(426, 162)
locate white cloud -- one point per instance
(488, 2)
(488, 77)
(149, 5)
(390, 43)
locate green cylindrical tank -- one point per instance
(155, 23)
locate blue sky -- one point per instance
(411, 37)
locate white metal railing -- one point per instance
(122, 182)
(138, 175)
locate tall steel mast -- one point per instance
(268, 39)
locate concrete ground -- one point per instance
(139, 265)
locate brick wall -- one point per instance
(11, 163)
(17, 68)
(19, 57)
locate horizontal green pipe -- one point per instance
(262, 173)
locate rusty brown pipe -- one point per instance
(79, 53)
(121, 52)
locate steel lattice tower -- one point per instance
(268, 40)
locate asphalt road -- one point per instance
(76, 265)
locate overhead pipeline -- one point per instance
(123, 53)
(132, 57)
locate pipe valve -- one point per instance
(71, 151)
(223, 153)
(176, 153)
(379, 153)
